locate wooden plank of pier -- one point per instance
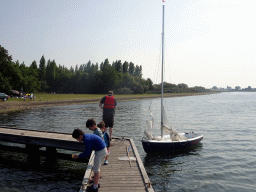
(121, 175)
(40, 138)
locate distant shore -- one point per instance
(21, 104)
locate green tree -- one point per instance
(182, 86)
(71, 69)
(42, 69)
(138, 88)
(198, 89)
(118, 66)
(137, 71)
(147, 85)
(131, 68)
(51, 75)
(5, 70)
(105, 66)
(150, 83)
(125, 67)
(107, 78)
(5, 84)
(16, 75)
(29, 79)
(4, 56)
(33, 65)
(42, 74)
(127, 81)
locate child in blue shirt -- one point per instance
(92, 142)
(91, 124)
(106, 138)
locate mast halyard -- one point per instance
(162, 89)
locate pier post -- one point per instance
(51, 154)
(33, 154)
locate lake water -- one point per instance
(225, 160)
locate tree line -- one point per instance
(89, 78)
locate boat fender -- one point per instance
(174, 136)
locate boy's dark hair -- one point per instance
(101, 124)
(76, 133)
(90, 123)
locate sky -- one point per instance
(206, 42)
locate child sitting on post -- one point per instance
(106, 138)
(91, 124)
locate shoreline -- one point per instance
(7, 107)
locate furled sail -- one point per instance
(174, 135)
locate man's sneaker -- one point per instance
(106, 162)
(91, 189)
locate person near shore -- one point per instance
(91, 124)
(91, 142)
(106, 138)
(108, 104)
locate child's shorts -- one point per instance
(99, 159)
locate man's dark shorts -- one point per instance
(108, 120)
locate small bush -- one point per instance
(124, 90)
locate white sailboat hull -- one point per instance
(167, 145)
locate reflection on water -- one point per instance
(223, 161)
(18, 175)
(165, 167)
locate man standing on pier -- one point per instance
(109, 102)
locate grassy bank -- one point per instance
(46, 99)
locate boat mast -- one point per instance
(162, 89)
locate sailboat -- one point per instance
(173, 141)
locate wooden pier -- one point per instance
(36, 141)
(121, 175)
(125, 171)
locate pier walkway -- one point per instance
(124, 172)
